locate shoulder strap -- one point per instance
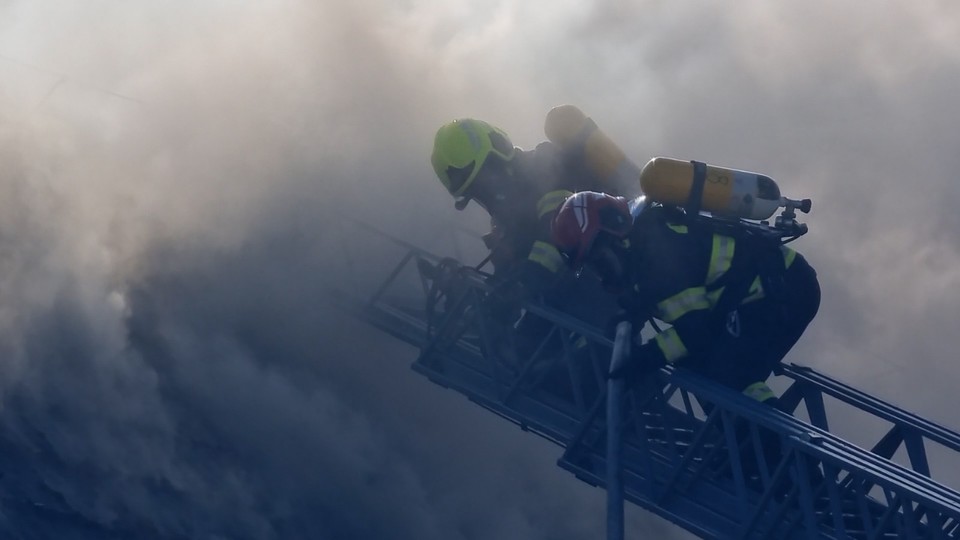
(752, 258)
(696, 190)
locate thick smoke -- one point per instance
(175, 179)
(172, 366)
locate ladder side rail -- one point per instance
(908, 429)
(571, 323)
(520, 414)
(904, 506)
(640, 494)
(812, 397)
(833, 388)
(526, 366)
(565, 324)
(708, 505)
(461, 366)
(822, 444)
(525, 421)
(805, 432)
(903, 487)
(683, 483)
(475, 283)
(875, 406)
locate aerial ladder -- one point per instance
(676, 444)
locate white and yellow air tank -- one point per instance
(721, 191)
(570, 129)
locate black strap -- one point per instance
(696, 190)
(735, 283)
(758, 256)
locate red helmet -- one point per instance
(582, 217)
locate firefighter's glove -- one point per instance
(640, 365)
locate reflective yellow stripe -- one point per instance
(759, 391)
(546, 256)
(714, 296)
(680, 229)
(682, 303)
(670, 345)
(551, 201)
(755, 292)
(756, 288)
(721, 256)
(788, 256)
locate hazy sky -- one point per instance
(171, 176)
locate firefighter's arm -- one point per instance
(544, 261)
(692, 327)
(533, 275)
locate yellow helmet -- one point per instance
(460, 150)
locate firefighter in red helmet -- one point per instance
(735, 304)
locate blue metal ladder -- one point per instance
(692, 451)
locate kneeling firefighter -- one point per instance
(736, 304)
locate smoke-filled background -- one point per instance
(172, 179)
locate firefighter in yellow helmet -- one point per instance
(520, 190)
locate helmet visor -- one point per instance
(458, 176)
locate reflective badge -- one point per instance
(733, 323)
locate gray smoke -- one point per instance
(173, 182)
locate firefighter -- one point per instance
(735, 303)
(520, 190)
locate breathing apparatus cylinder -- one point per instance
(574, 132)
(697, 186)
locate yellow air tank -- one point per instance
(697, 186)
(570, 129)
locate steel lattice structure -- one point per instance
(693, 452)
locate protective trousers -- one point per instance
(753, 339)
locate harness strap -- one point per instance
(756, 257)
(696, 190)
